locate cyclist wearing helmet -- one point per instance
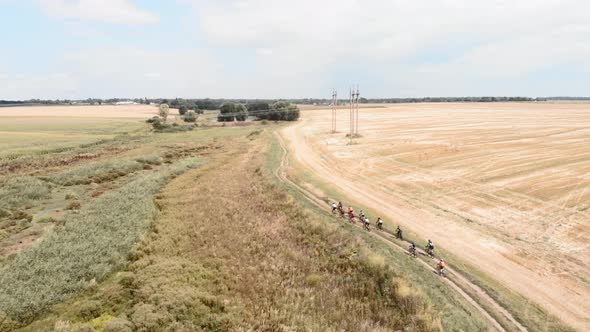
(441, 266)
(379, 223)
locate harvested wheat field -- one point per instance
(503, 186)
(84, 111)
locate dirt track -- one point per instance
(508, 181)
(281, 174)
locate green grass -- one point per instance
(97, 172)
(18, 191)
(90, 246)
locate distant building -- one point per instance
(126, 102)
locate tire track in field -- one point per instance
(458, 285)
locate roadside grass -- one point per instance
(230, 251)
(87, 249)
(526, 312)
(456, 314)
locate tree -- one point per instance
(182, 110)
(259, 110)
(241, 112)
(164, 110)
(283, 110)
(190, 116)
(231, 112)
(192, 105)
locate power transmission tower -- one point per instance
(334, 104)
(356, 106)
(351, 95)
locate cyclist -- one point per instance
(413, 249)
(430, 248)
(334, 207)
(367, 223)
(399, 233)
(350, 213)
(379, 223)
(441, 267)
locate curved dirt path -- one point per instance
(457, 283)
(548, 290)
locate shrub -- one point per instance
(71, 195)
(153, 119)
(47, 220)
(118, 325)
(5, 213)
(74, 205)
(182, 110)
(158, 123)
(164, 110)
(18, 191)
(190, 116)
(89, 310)
(18, 215)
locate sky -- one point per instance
(79, 49)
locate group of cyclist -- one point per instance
(399, 234)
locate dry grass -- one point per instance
(231, 252)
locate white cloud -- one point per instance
(460, 41)
(305, 48)
(112, 11)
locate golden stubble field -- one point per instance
(504, 186)
(83, 111)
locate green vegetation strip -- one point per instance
(90, 246)
(101, 171)
(17, 191)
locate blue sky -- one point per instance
(271, 49)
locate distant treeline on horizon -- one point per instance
(215, 104)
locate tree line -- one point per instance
(277, 111)
(198, 105)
